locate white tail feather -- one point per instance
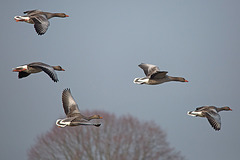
(59, 123)
(189, 113)
(194, 114)
(19, 18)
(140, 80)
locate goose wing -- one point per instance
(203, 108)
(69, 119)
(31, 12)
(41, 23)
(159, 74)
(214, 119)
(23, 74)
(69, 104)
(206, 108)
(86, 123)
(47, 69)
(149, 69)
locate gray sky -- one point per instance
(100, 46)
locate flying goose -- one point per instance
(155, 76)
(74, 117)
(39, 19)
(211, 113)
(35, 67)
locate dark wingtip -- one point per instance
(40, 34)
(66, 89)
(55, 80)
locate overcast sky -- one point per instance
(100, 46)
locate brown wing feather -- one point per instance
(149, 69)
(69, 105)
(159, 75)
(214, 119)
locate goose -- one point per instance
(211, 113)
(74, 117)
(39, 19)
(35, 67)
(155, 76)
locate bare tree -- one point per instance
(119, 138)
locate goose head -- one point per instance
(58, 68)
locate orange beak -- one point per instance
(63, 69)
(100, 117)
(67, 15)
(186, 80)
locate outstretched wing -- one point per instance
(214, 119)
(149, 69)
(69, 104)
(41, 23)
(47, 69)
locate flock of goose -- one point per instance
(73, 116)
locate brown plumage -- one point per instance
(155, 76)
(35, 67)
(74, 117)
(211, 113)
(39, 19)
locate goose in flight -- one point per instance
(39, 19)
(211, 113)
(155, 76)
(35, 67)
(74, 117)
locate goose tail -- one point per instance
(194, 114)
(61, 124)
(21, 18)
(140, 81)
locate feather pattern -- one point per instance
(35, 67)
(46, 68)
(149, 69)
(159, 75)
(211, 113)
(69, 105)
(214, 119)
(155, 76)
(41, 24)
(74, 117)
(39, 19)
(31, 12)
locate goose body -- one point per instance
(39, 19)
(35, 67)
(74, 117)
(211, 113)
(154, 76)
